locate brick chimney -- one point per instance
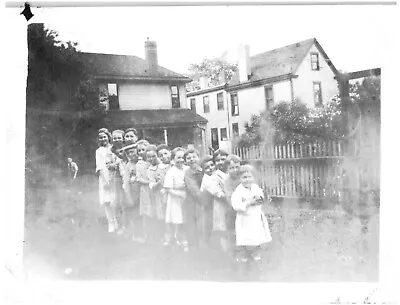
(151, 55)
(203, 82)
(222, 77)
(244, 62)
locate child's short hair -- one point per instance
(190, 151)
(175, 151)
(143, 142)
(131, 130)
(205, 160)
(247, 168)
(162, 146)
(117, 131)
(233, 158)
(151, 147)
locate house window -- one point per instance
(175, 97)
(269, 97)
(206, 104)
(113, 100)
(314, 61)
(235, 129)
(193, 104)
(224, 134)
(220, 101)
(234, 104)
(317, 93)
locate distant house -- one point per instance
(300, 71)
(141, 94)
(212, 104)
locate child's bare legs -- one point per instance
(168, 233)
(224, 242)
(158, 230)
(180, 237)
(111, 217)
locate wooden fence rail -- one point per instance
(319, 170)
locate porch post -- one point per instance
(165, 136)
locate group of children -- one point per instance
(172, 197)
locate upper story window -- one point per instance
(317, 93)
(193, 104)
(113, 99)
(206, 104)
(234, 104)
(269, 97)
(175, 97)
(314, 61)
(220, 101)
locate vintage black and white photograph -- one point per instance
(204, 143)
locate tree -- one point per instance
(55, 126)
(297, 123)
(210, 68)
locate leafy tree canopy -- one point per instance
(295, 122)
(210, 68)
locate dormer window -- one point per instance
(315, 61)
(175, 97)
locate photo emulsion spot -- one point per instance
(204, 155)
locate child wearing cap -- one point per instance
(251, 225)
(132, 193)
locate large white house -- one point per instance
(144, 95)
(300, 71)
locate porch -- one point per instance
(174, 127)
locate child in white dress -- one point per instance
(174, 184)
(251, 225)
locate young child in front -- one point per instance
(251, 225)
(213, 184)
(174, 184)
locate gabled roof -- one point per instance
(156, 118)
(115, 66)
(278, 62)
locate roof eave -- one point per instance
(327, 59)
(144, 78)
(261, 82)
(207, 90)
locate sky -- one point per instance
(352, 36)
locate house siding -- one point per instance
(303, 84)
(216, 118)
(252, 101)
(147, 96)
